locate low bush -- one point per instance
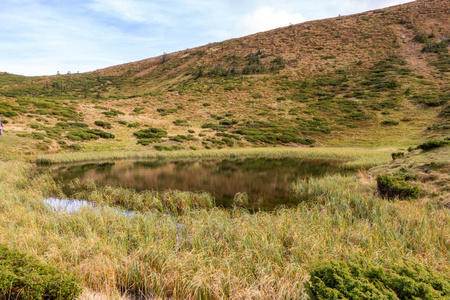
(103, 124)
(396, 155)
(148, 141)
(181, 138)
(150, 133)
(179, 122)
(433, 47)
(341, 280)
(101, 133)
(389, 123)
(134, 125)
(167, 148)
(112, 113)
(397, 186)
(24, 277)
(433, 144)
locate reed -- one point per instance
(216, 253)
(171, 201)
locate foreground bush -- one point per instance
(22, 277)
(397, 186)
(339, 280)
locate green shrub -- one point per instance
(38, 136)
(8, 113)
(181, 138)
(72, 124)
(138, 110)
(148, 141)
(81, 136)
(150, 133)
(101, 133)
(228, 141)
(134, 125)
(179, 122)
(421, 38)
(167, 148)
(433, 144)
(433, 47)
(397, 186)
(103, 124)
(341, 280)
(228, 135)
(112, 113)
(24, 277)
(396, 155)
(389, 123)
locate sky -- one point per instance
(43, 37)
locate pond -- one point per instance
(265, 181)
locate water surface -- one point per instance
(265, 181)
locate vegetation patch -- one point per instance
(24, 277)
(181, 138)
(433, 47)
(396, 155)
(397, 186)
(281, 132)
(167, 148)
(389, 123)
(103, 124)
(433, 144)
(112, 113)
(150, 135)
(364, 280)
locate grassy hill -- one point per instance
(372, 79)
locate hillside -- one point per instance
(372, 79)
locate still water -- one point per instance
(265, 181)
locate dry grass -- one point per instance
(219, 253)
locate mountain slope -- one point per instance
(376, 78)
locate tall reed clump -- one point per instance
(216, 253)
(171, 201)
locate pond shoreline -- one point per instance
(352, 157)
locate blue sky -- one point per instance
(41, 37)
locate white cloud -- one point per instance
(266, 18)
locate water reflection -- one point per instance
(67, 205)
(74, 205)
(264, 180)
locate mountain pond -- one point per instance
(265, 181)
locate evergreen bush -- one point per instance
(397, 186)
(24, 277)
(341, 280)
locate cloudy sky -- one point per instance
(41, 37)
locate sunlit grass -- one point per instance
(351, 157)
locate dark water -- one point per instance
(265, 181)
